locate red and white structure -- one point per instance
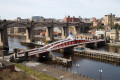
(61, 44)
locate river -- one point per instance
(88, 67)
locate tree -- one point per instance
(117, 28)
(99, 26)
(91, 27)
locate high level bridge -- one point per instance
(30, 25)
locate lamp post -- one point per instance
(100, 71)
(77, 65)
(44, 70)
(61, 77)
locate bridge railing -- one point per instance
(57, 45)
(71, 44)
(53, 43)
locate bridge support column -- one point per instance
(65, 32)
(68, 50)
(95, 45)
(26, 56)
(76, 30)
(83, 29)
(4, 37)
(15, 50)
(49, 34)
(30, 35)
(44, 57)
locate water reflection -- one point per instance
(15, 42)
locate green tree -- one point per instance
(99, 26)
(91, 27)
(117, 28)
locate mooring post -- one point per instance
(3, 53)
(15, 50)
(26, 56)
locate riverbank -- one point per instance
(33, 73)
(54, 72)
(113, 44)
(88, 66)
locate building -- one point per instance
(114, 36)
(109, 20)
(87, 20)
(100, 34)
(50, 20)
(39, 31)
(96, 22)
(85, 36)
(71, 19)
(20, 19)
(37, 18)
(107, 34)
(117, 20)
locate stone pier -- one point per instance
(30, 33)
(65, 32)
(76, 30)
(68, 51)
(4, 36)
(49, 34)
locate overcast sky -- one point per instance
(10, 9)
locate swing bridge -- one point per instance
(69, 42)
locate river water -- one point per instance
(88, 67)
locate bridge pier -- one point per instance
(76, 30)
(95, 45)
(30, 33)
(91, 45)
(44, 57)
(68, 51)
(4, 37)
(65, 32)
(49, 34)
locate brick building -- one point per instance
(71, 19)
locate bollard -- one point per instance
(15, 53)
(3, 53)
(26, 56)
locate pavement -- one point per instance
(54, 72)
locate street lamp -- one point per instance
(44, 70)
(77, 65)
(100, 71)
(61, 77)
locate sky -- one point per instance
(10, 9)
